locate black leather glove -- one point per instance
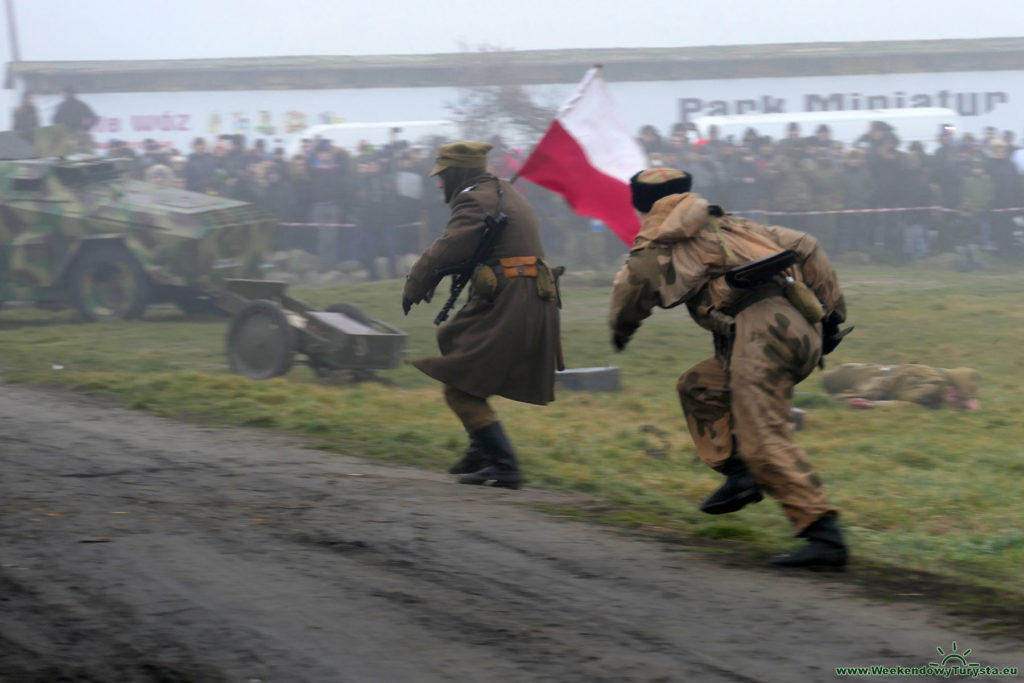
(407, 303)
(620, 339)
(831, 335)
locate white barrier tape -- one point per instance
(767, 212)
(763, 212)
(320, 225)
(344, 225)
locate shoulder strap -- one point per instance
(730, 257)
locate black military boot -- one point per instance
(502, 469)
(738, 491)
(825, 549)
(473, 460)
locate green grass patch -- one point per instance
(930, 491)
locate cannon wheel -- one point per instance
(352, 311)
(261, 344)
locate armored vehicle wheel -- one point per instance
(107, 283)
(261, 343)
(351, 310)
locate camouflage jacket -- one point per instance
(683, 252)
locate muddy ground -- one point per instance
(134, 548)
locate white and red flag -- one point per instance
(588, 155)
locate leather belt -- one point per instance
(758, 293)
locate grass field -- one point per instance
(937, 491)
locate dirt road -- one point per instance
(134, 548)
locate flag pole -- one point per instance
(516, 176)
(12, 31)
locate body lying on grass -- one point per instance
(870, 385)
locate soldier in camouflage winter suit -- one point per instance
(737, 403)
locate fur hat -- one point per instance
(652, 184)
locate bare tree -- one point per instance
(489, 105)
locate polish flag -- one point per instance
(588, 155)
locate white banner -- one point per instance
(982, 98)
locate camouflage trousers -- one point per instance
(474, 412)
(745, 403)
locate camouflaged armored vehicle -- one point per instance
(76, 231)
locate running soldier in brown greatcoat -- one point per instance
(504, 341)
(737, 403)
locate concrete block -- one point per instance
(382, 264)
(589, 379)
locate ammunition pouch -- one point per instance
(515, 267)
(518, 266)
(484, 283)
(547, 281)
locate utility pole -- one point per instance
(12, 31)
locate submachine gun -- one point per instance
(462, 273)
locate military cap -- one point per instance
(462, 155)
(651, 185)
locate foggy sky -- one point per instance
(182, 29)
(178, 29)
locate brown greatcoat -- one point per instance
(739, 399)
(505, 344)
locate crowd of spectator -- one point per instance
(792, 180)
(378, 201)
